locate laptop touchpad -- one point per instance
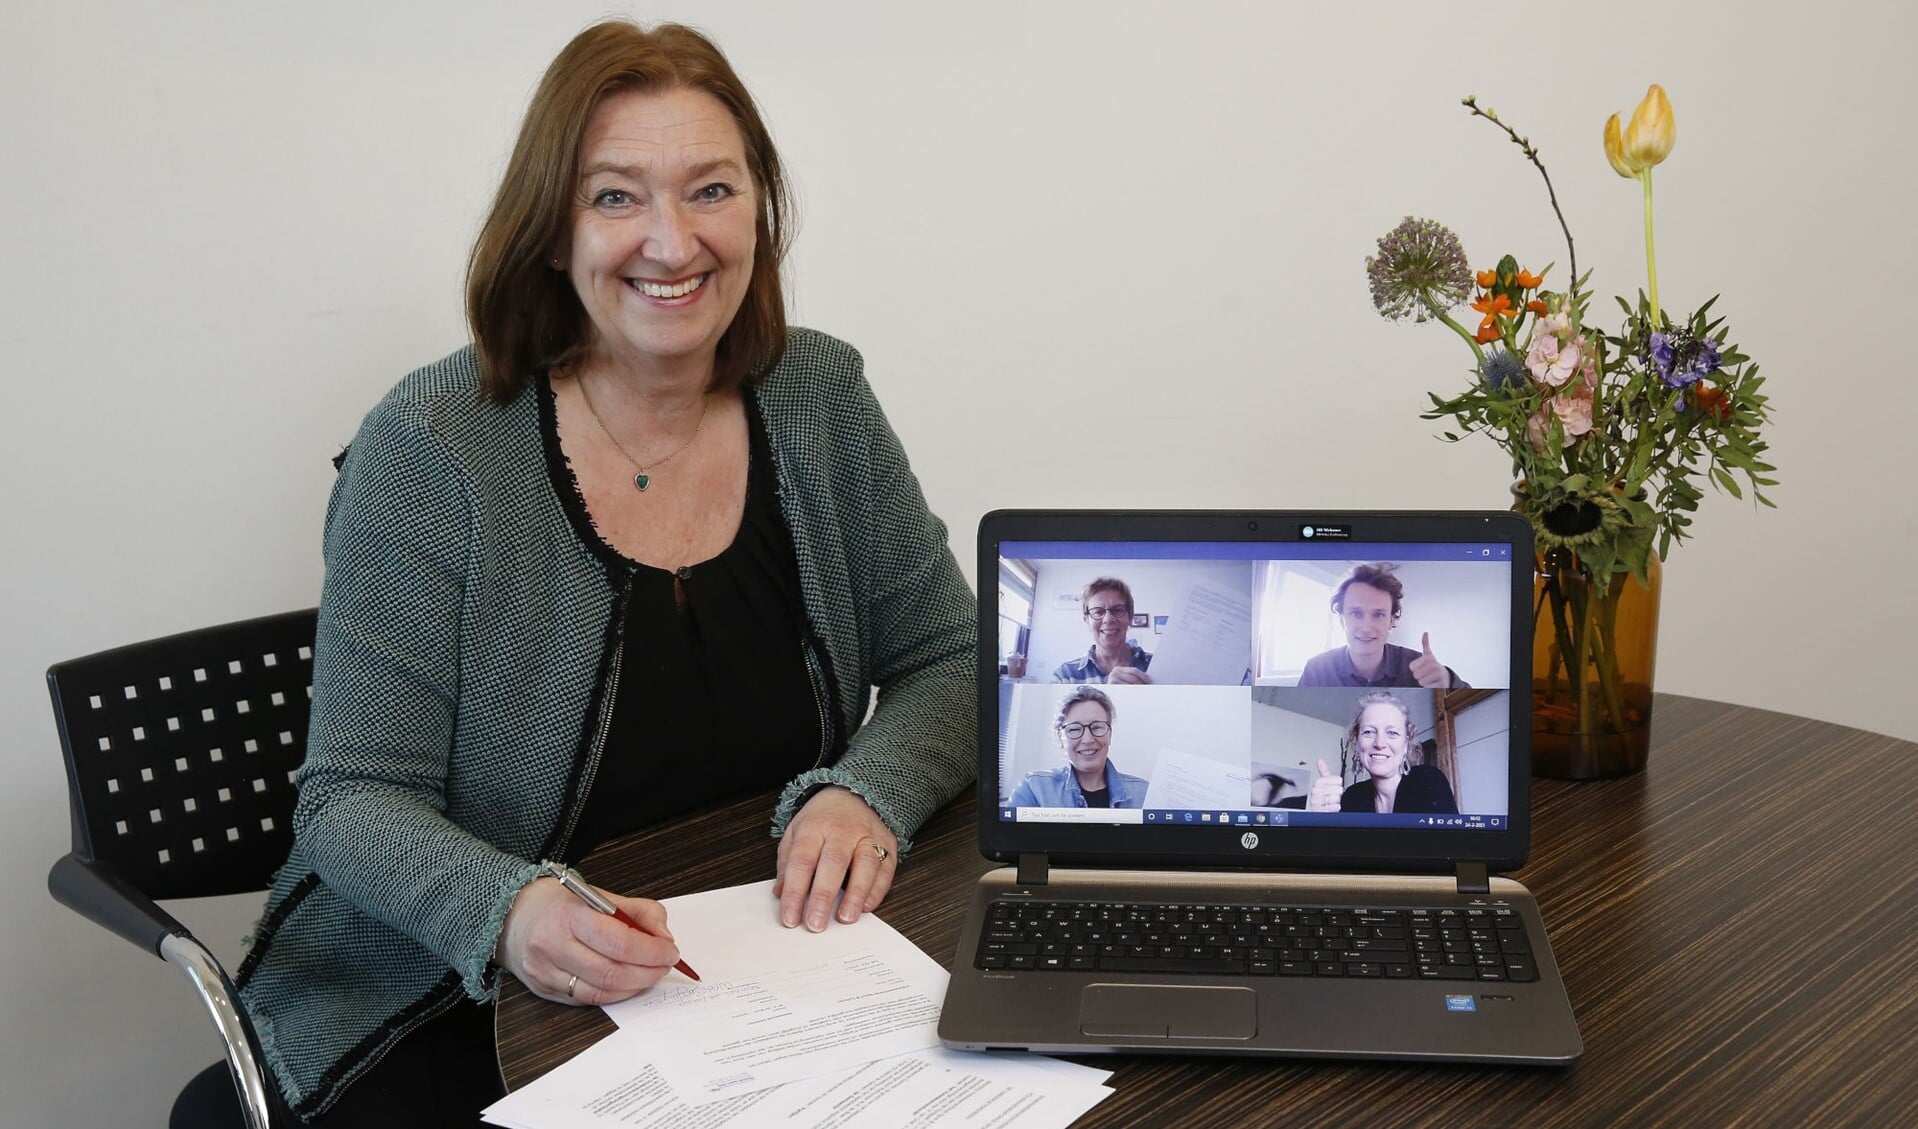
(1167, 1011)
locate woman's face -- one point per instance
(663, 227)
(1382, 740)
(1086, 752)
(1107, 618)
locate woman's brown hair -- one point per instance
(525, 316)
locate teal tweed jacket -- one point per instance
(466, 638)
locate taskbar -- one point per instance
(1281, 817)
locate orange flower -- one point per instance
(1486, 279)
(1538, 308)
(1491, 305)
(1487, 332)
(1529, 281)
(1712, 401)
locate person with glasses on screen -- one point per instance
(1088, 779)
(1106, 604)
(1368, 603)
(1381, 741)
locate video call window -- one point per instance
(1354, 687)
(1171, 622)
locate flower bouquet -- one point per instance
(1610, 435)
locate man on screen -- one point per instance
(1368, 603)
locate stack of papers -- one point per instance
(798, 1029)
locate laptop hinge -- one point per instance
(1472, 878)
(1032, 870)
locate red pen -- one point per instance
(569, 878)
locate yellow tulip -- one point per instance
(1649, 137)
(1615, 149)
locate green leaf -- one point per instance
(1726, 482)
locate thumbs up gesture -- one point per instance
(1430, 672)
(1327, 790)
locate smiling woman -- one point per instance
(1381, 741)
(631, 553)
(1085, 726)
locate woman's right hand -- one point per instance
(550, 937)
(1327, 790)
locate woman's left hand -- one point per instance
(835, 839)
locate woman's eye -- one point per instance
(714, 192)
(612, 198)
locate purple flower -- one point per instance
(1663, 353)
(1681, 359)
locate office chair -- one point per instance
(180, 757)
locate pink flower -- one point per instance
(1575, 413)
(1537, 428)
(1551, 361)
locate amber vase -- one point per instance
(1593, 648)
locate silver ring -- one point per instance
(882, 852)
(570, 984)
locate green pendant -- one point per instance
(640, 481)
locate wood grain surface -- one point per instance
(1735, 926)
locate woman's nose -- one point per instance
(671, 241)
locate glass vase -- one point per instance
(1593, 649)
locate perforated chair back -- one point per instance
(180, 759)
(181, 751)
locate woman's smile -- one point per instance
(669, 290)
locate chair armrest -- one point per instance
(236, 1030)
(96, 892)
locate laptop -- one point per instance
(1235, 820)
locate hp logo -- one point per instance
(1248, 840)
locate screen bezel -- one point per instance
(1278, 848)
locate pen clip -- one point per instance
(570, 878)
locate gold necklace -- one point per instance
(642, 479)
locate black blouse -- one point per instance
(715, 697)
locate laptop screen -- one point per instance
(1330, 684)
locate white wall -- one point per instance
(230, 226)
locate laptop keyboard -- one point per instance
(1449, 943)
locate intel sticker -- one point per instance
(1460, 1003)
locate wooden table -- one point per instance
(1737, 925)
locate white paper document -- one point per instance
(611, 1084)
(1184, 780)
(1205, 641)
(776, 1005)
(791, 1028)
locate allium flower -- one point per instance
(1502, 369)
(1420, 268)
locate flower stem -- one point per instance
(1651, 260)
(1531, 154)
(1605, 649)
(1442, 316)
